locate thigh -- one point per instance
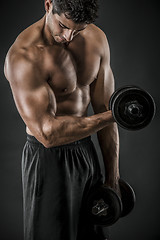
(53, 185)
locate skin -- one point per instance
(55, 69)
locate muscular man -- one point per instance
(55, 68)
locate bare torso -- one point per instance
(53, 84)
(68, 70)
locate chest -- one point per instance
(71, 68)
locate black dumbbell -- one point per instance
(105, 207)
(132, 107)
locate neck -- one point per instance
(47, 36)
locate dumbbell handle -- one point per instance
(100, 208)
(133, 109)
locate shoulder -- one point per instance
(96, 32)
(24, 51)
(22, 67)
(17, 59)
(97, 38)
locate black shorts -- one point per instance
(56, 183)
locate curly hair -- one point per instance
(80, 11)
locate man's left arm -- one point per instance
(101, 91)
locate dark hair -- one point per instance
(80, 11)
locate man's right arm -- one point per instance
(36, 103)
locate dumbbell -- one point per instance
(105, 207)
(132, 107)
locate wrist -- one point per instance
(112, 181)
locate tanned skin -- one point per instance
(55, 69)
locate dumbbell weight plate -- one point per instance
(111, 202)
(132, 107)
(127, 196)
(116, 92)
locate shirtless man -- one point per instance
(55, 68)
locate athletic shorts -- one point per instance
(56, 184)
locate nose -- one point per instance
(68, 35)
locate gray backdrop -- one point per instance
(132, 28)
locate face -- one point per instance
(62, 29)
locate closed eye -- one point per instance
(65, 27)
(62, 26)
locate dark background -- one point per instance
(132, 28)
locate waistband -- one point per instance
(33, 140)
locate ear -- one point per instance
(48, 5)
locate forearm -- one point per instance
(61, 130)
(109, 144)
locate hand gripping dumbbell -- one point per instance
(105, 207)
(132, 107)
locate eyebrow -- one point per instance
(69, 28)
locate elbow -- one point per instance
(51, 142)
(47, 144)
(46, 134)
(48, 141)
(45, 137)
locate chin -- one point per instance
(58, 39)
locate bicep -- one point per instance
(102, 89)
(103, 86)
(34, 98)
